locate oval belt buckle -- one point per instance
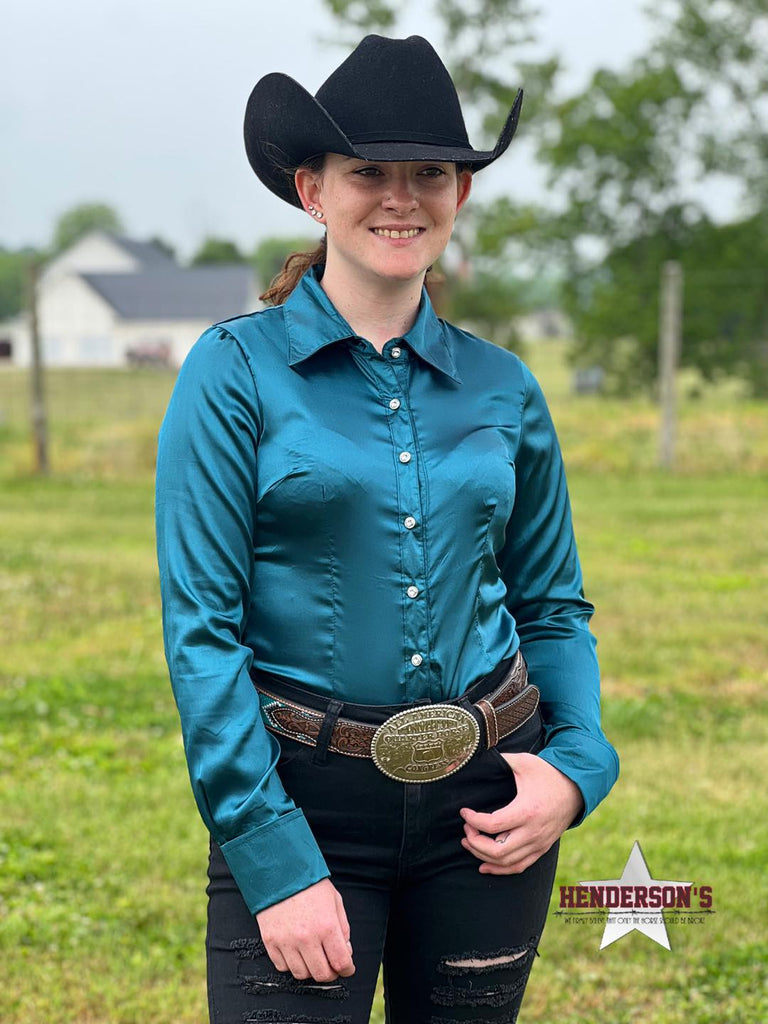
(425, 744)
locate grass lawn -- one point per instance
(102, 854)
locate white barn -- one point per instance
(110, 300)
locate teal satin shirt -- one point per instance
(380, 528)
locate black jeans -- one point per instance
(414, 898)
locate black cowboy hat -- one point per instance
(391, 99)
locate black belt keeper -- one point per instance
(324, 736)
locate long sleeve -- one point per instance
(540, 567)
(205, 506)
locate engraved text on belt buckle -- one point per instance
(425, 744)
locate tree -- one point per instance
(616, 154)
(719, 51)
(217, 250)
(79, 220)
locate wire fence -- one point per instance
(101, 422)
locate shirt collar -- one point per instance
(312, 322)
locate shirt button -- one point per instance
(409, 522)
(395, 353)
(412, 591)
(416, 659)
(394, 403)
(405, 456)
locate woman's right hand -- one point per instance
(308, 934)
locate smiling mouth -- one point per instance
(406, 233)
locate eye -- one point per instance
(432, 172)
(368, 171)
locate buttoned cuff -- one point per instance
(274, 861)
(587, 760)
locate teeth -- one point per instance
(411, 233)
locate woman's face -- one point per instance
(391, 220)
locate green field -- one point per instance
(102, 854)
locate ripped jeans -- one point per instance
(456, 945)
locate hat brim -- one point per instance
(285, 125)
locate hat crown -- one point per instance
(394, 90)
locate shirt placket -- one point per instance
(392, 372)
(411, 511)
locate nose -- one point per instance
(401, 196)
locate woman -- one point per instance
(365, 549)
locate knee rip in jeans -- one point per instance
(474, 962)
(512, 964)
(272, 981)
(282, 981)
(278, 1017)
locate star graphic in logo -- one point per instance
(622, 921)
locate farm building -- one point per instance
(111, 301)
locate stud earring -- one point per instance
(315, 213)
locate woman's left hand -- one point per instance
(514, 837)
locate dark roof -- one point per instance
(147, 254)
(171, 293)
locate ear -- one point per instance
(464, 187)
(307, 185)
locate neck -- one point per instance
(377, 309)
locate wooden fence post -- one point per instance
(670, 328)
(39, 415)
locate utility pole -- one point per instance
(39, 416)
(670, 329)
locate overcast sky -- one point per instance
(139, 104)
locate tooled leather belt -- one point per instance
(420, 744)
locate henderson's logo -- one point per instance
(635, 902)
(634, 897)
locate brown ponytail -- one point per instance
(297, 263)
(294, 267)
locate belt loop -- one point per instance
(326, 730)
